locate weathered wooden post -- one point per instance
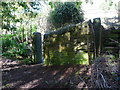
(92, 46)
(97, 33)
(119, 21)
(119, 11)
(37, 47)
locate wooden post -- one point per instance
(88, 44)
(23, 35)
(97, 33)
(37, 47)
(119, 21)
(93, 38)
(119, 11)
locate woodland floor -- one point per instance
(16, 75)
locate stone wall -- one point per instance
(69, 45)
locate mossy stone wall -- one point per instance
(68, 45)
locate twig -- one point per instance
(114, 41)
(97, 84)
(84, 82)
(105, 83)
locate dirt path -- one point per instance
(15, 75)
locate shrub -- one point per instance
(66, 13)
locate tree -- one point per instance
(7, 12)
(15, 18)
(16, 15)
(65, 13)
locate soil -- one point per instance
(17, 75)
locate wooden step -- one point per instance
(113, 36)
(113, 52)
(86, 50)
(111, 43)
(111, 47)
(115, 31)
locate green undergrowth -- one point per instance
(62, 58)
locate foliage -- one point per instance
(63, 13)
(12, 14)
(17, 34)
(14, 49)
(109, 5)
(7, 17)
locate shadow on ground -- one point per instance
(40, 76)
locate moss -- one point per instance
(62, 48)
